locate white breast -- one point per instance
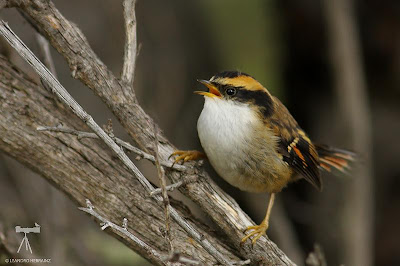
(225, 130)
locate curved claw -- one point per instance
(184, 156)
(259, 231)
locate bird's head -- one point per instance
(238, 87)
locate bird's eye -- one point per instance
(230, 91)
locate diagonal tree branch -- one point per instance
(84, 169)
(85, 65)
(67, 99)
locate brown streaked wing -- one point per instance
(295, 146)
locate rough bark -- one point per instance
(85, 169)
(116, 199)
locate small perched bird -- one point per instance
(254, 143)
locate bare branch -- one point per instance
(123, 230)
(163, 184)
(86, 170)
(87, 67)
(130, 50)
(172, 187)
(141, 154)
(67, 99)
(44, 48)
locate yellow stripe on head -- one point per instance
(238, 79)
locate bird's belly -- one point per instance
(239, 153)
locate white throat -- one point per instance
(225, 124)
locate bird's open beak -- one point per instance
(212, 90)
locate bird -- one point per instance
(254, 143)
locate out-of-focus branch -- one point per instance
(284, 233)
(4, 245)
(3, 4)
(357, 215)
(316, 257)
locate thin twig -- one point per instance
(163, 184)
(141, 154)
(172, 187)
(67, 99)
(130, 50)
(123, 230)
(44, 48)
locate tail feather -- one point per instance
(335, 159)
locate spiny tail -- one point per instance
(335, 159)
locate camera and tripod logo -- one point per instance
(27, 230)
(25, 241)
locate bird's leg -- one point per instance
(185, 156)
(260, 230)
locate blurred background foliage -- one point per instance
(284, 44)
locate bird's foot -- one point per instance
(185, 156)
(259, 231)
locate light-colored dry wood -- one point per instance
(85, 168)
(120, 98)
